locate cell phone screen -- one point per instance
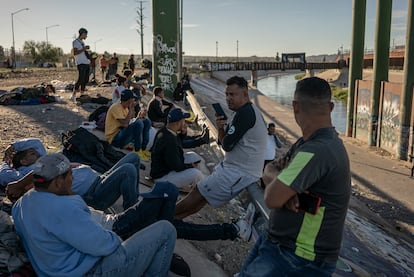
(309, 203)
(219, 110)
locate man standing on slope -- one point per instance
(299, 243)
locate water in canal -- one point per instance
(280, 88)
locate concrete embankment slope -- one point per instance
(387, 176)
(371, 246)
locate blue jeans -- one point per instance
(267, 258)
(151, 210)
(121, 179)
(137, 132)
(146, 253)
(204, 232)
(147, 212)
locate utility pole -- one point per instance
(216, 51)
(237, 50)
(94, 43)
(140, 29)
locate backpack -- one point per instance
(99, 116)
(100, 124)
(94, 116)
(82, 146)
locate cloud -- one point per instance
(191, 25)
(134, 26)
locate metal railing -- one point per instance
(234, 66)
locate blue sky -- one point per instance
(262, 27)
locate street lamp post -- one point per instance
(48, 27)
(14, 47)
(237, 50)
(216, 50)
(94, 43)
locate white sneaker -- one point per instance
(244, 225)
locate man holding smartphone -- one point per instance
(244, 143)
(298, 242)
(80, 51)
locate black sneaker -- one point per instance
(203, 128)
(179, 266)
(206, 136)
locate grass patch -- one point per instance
(339, 94)
(299, 76)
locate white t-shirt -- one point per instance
(116, 94)
(80, 58)
(270, 148)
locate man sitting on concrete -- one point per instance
(244, 143)
(167, 155)
(106, 190)
(63, 238)
(158, 108)
(120, 130)
(99, 191)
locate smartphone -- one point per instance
(219, 110)
(309, 203)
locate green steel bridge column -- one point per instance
(356, 58)
(381, 63)
(165, 24)
(407, 93)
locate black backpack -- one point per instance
(82, 146)
(94, 116)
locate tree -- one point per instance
(1, 53)
(42, 51)
(29, 49)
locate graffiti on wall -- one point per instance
(363, 113)
(390, 121)
(166, 63)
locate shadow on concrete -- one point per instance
(381, 168)
(383, 208)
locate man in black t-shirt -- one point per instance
(300, 243)
(158, 108)
(167, 155)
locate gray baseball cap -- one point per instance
(51, 165)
